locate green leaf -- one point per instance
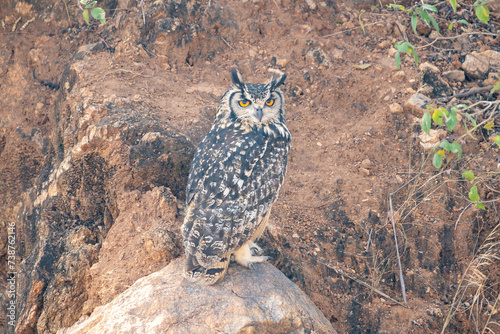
(473, 195)
(434, 23)
(414, 23)
(429, 7)
(497, 140)
(455, 148)
(426, 123)
(98, 14)
(473, 121)
(396, 6)
(489, 126)
(437, 160)
(481, 206)
(453, 4)
(86, 16)
(483, 14)
(450, 27)
(446, 145)
(452, 121)
(469, 175)
(397, 58)
(496, 87)
(438, 117)
(425, 16)
(463, 21)
(468, 132)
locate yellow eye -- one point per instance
(270, 102)
(244, 103)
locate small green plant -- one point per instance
(481, 8)
(424, 15)
(473, 195)
(455, 22)
(97, 12)
(405, 47)
(443, 117)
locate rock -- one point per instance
(491, 80)
(281, 62)
(312, 4)
(116, 171)
(366, 163)
(476, 65)
(337, 54)
(395, 108)
(454, 75)
(246, 301)
(431, 140)
(432, 81)
(318, 57)
(417, 104)
(364, 171)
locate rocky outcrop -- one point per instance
(247, 301)
(104, 212)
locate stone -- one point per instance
(395, 108)
(282, 62)
(476, 65)
(246, 301)
(432, 81)
(431, 140)
(491, 80)
(366, 163)
(417, 104)
(454, 75)
(364, 171)
(318, 57)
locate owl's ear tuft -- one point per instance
(277, 79)
(237, 78)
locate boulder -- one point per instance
(246, 301)
(477, 65)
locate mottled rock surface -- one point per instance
(247, 301)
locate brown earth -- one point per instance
(166, 75)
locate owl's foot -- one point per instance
(256, 250)
(245, 255)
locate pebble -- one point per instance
(395, 108)
(417, 104)
(282, 62)
(366, 163)
(295, 235)
(454, 75)
(364, 171)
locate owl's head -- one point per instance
(256, 103)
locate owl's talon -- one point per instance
(256, 250)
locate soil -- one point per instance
(331, 227)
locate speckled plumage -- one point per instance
(235, 177)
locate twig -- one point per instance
(369, 240)
(67, 12)
(143, 15)
(401, 278)
(342, 273)
(470, 92)
(453, 37)
(343, 31)
(461, 213)
(127, 71)
(227, 43)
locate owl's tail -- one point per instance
(195, 272)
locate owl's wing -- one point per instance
(234, 179)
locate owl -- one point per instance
(235, 177)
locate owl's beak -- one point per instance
(259, 114)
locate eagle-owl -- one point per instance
(235, 177)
